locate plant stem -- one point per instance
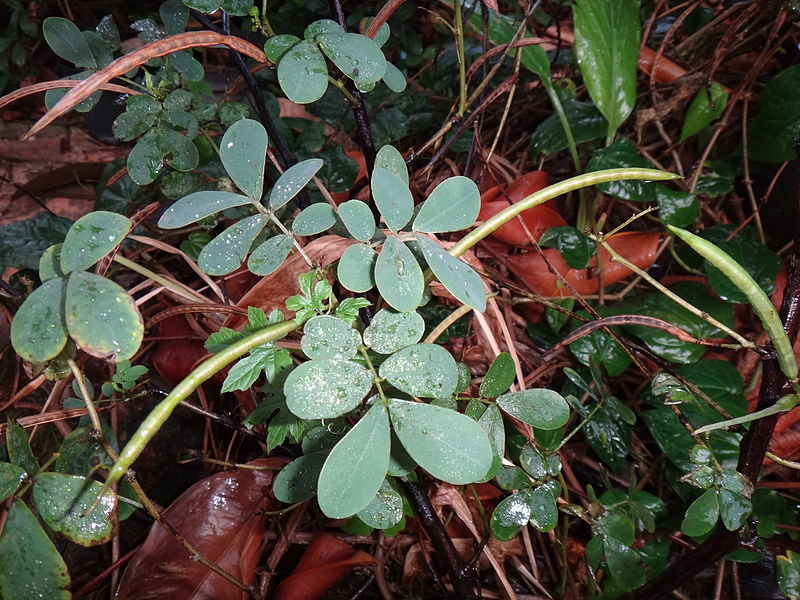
(162, 281)
(462, 71)
(203, 372)
(550, 192)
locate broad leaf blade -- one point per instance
(267, 257)
(294, 179)
(356, 267)
(390, 331)
(393, 198)
(357, 56)
(226, 252)
(458, 277)
(38, 331)
(67, 41)
(197, 206)
(452, 206)
(540, 407)
(302, 73)
(447, 444)
(424, 370)
(324, 389)
(243, 151)
(398, 276)
(356, 466)
(92, 237)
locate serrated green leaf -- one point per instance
(64, 503)
(423, 370)
(447, 444)
(324, 389)
(355, 268)
(390, 331)
(101, 317)
(198, 206)
(358, 219)
(267, 257)
(499, 377)
(268, 358)
(356, 467)
(302, 73)
(314, 219)
(325, 336)
(30, 566)
(399, 276)
(607, 48)
(67, 41)
(540, 407)
(458, 277)
(452, 206)
(294, 179)
(38, 331)
(226, 252)
(392, 197)
(92, 237)
(243, 152)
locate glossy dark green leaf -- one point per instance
(601, 347)
(452, 206)
(399, 276)
(101, 317)
(706, 106)
(92, 237)
(237, 8)
(447, 444)
(356, 55)
(67, 41)
(734, 509)
(702, 515)
(458, 277)
(585, 121)
(269, 255)
(19, 449)
(198, 206)
(393, 198)
(356, 267)
(302, 73)
(226, 252)
(38, 331)
(276, 46)
(511, 515)
(499, 377)
(544, 512)
(390, 331)
(676, 208)
(314, 219)
(11, 477)
(358, 219)
(294, 179)
(556, 319)
(324, 389)
(297, 481)
(575, 248)
(607, 48)
(773, 131)
(52, 97)
(758, 260)
(623, 153)
(385, 510)
(325, 336)
(608, 434)
(788, 573)
(512, 478)
(356, 467)
(673, 439)
(243, 152)
(63, 502)
(30, 566)
(423, 370)
(623, 563)
(22, 243)
(149, 154)
(540, 407)
(140, 115)
(389, 158)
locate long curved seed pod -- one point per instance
(760, 302)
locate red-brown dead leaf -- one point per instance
(326, 560)
(221, 517)
(638, 247)
(174, 359)
(43, 86)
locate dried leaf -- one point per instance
(326, 560)
(221, 516)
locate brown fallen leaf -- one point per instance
(221, 516)
(326, 560)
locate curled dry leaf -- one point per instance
(222, 517)
(326, 560)
(640, 248)
(272, 291)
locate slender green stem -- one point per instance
(760, 302)
(550, 192)
(87, 399)
(162, 281)
(462, 77)
(285, 231)
(190, 383)
(343, 88)
(784, 404)
(673, 296)
(555, 100)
